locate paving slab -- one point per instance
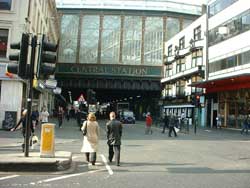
(18, 162)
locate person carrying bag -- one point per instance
(90, 131)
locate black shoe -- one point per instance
(118, 165)
(169, 136)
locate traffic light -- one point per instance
(46, 59)
(91, 96)
(19, 68)
(195, 100)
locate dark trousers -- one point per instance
(164, 127)
(114, 149)
(170, 131)
(60, 120)
(245, 128)
(91, 157)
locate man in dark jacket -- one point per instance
(114, 133)
(23, 121)
(166, 123)
(172, 123)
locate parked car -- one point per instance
(127, 117)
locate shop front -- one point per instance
(229, 99)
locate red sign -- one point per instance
(81, 98)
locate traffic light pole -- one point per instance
(30, 96)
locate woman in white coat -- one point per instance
(90, 140)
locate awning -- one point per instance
(225, 84)
(180, 106)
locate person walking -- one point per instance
(218, 121)
(245, 125)
(166, 123)
(114, 134)
(23, 121)
(90, 129)
(34, 118)
(60, 116)
(149, 122)
(44, 115)
(172, 124)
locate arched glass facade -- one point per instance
(116, 39)
(89, 39)
(68, 39)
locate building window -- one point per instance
(234, 26)
(180, 65)
(89, 39)
(173, 27)
(182, 43)
(170, 50)
(186, 23)
(111, 32)
(218, 6)
(132, 40)
(168, 90)
(5, 4)
(226, 63)
(194, 80)
(180, 87)
(68, 39)
(168, 71)
(153, 41)
(3, 42)
(197, 33)
(196, 58)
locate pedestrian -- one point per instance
(165, 123)
(90, 129)
(245, 125)
(60, 116)
(23, 122)
(218, 121)
(44, 115)
(114, 134)
(35, 118)
(172, 124)
(67, 114)
(149, 122)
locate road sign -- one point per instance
(81, 98)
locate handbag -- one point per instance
(84, 131)
(176, 129)
(34, 139)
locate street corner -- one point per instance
(18, 162)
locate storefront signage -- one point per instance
(111, 70)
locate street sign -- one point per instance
(57, 90)
(51, 83)
(81, 98)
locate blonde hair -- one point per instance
(91, 117)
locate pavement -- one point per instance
(16, 161)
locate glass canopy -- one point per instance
(178, 6)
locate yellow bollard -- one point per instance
(47, 148)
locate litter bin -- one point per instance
(47, 147)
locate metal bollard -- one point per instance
(47, 148)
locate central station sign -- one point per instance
(110, 70)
